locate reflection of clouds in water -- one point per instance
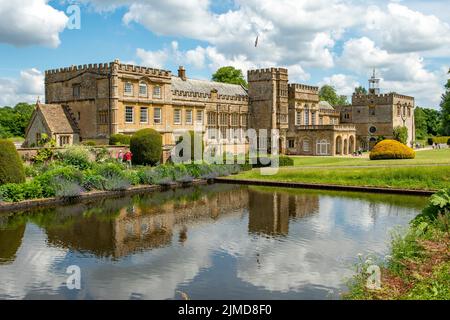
(156, 274)
(33, 267)
(313, 254)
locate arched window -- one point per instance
(306, 146)
(322, 147)
(142, 89)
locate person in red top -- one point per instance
(128, 156)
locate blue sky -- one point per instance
(335, 42)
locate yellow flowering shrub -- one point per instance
(391, 149)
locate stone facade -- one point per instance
(376, 115)
(56, 122)
(112, 98)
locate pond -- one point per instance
(208, 242)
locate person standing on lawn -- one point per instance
(120, 156)
(128, 157)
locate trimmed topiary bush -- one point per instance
(146, 147)
(119, 139)
(11, 166)
(391, 149)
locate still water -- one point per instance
(209, 242)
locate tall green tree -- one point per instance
(14, 121)
(328, 93)
(445, 110)
(360, 90)
(420, 119)
(230, 75)
(401, 134)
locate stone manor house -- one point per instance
(92, 102)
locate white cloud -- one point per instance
(344, 84)
(405, 30)
(405, 73)
(306, 36)
(30, 22)
(27, 88)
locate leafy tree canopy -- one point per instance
(14, 121)
(328, 93)
(428, 122)
(445, 110)
(360, 90)
(230, 75)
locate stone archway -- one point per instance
(351, 145)
(339, 145)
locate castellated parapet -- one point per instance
(208, 96)
(380, 99)
(62, 74)
(267, 74)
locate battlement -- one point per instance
(303, 88)
(268, 70)
(267, 74)
(386, 98)
(190, 94)
(109, 67)
(142, 70)
(103, 67)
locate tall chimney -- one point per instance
(182, 73)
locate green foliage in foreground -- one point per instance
(11, 167)
(424, 178)
(146, 146)
(419, 265)
(59, 179)
(119, 139)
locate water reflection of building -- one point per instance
(118, 227)
(269, 212)
(10, 241)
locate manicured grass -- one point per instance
(423, 178)
(422, 157)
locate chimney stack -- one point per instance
(182, 73)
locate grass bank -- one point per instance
(422, 158)
(416, 178)
(419, 265)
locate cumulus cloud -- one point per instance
(26, 88)
(402, 72)
(344, 84)
(405, 30)
(31, 22)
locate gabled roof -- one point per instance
(205, 86)
(57, 118)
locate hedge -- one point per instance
(11, 166)
(146, 147)
(391, 149)
(119, 139)
(439, 140)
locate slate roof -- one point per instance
(205, 86)
(325, 105)
(57, 118)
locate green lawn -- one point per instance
(423, 178)
(422, 157)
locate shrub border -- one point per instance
(51, 202)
